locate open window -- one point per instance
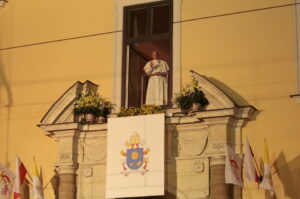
(147, 27)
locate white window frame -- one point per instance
(118, 42)
(297, 45)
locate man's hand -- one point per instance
(153, 64)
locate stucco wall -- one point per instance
(252, 55)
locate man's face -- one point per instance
(154, 55)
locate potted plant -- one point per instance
(198, 97)
(106, 108)
(191, 97)
(92, 106)
(184, 101)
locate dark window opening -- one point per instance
(147, 27)
(137, 20)
(160, 19)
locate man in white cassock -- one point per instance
(157, 91)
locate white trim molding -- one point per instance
(297, 45)
(118, 41)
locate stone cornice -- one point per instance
(242, 112)
(51, 128)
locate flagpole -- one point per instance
(48, 183)
(28, 182)
(257, 166)
(258, 181)
(255, 162)
(272, 166)
(25, 169)
(28, 174)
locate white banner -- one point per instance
(233, 167)
(6, 182)
(135, 156)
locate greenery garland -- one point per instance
(143, 110)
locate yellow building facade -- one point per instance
(46, 46)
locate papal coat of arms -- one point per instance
(135, 160)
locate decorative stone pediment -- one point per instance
(62, 110)
(217, 98)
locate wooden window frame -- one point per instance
(149, 37)
(118, 51)
(297, 49)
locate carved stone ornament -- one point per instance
(64, 157)
(94, 151)
(88, 172)
(199, 167)
(191, 144)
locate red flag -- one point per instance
(20, 177)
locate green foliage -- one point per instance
(91, 102)
(144, 110)
(190, 94)
(198, 96)
(184, 101)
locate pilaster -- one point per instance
(67, 162)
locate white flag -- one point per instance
(233, 168)
(37, 184)
(20, 178)
(6, 182)
(249, 164)
(267, 182)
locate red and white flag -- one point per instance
(250, 169)
(20, 178)
(6, 182)
(233, 168)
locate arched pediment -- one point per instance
(217, 98)
(62, 110)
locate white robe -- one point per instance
(157, 91)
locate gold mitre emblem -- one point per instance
(135, 138)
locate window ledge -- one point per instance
(296, 98)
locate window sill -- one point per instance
(296, 98)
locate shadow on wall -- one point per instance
(289, 175)
(230, 92)
(5, 84)
(234, 96)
